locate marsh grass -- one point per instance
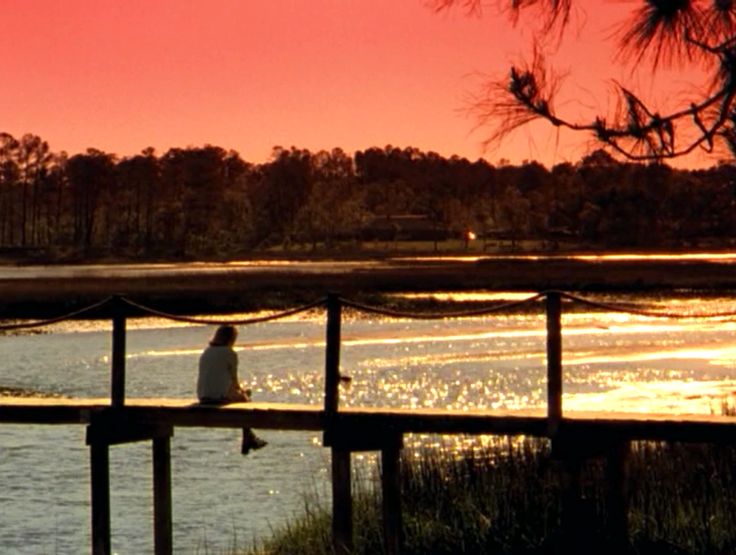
(682, 497)
(506, 499)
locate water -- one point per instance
(612, 361)
(244, 267)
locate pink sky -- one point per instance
(252, 74)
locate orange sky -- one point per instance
(252, 74)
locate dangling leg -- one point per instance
(251, 441)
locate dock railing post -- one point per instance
(118, 353)
(554, 362)
(342, 502)
(332, 357)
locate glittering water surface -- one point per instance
(612, 361)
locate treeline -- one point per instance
(209, 202)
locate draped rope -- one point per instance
(221, 322)
(639, 312)
(57, 319)
(438, 315)
(371, 309)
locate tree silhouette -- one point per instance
(90, 178)
(208, 203)
(680, 34)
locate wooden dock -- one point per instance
(575, 436)
(370, 421)
(578, 436)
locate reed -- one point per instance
(506, 499)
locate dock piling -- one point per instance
(617, 496)
(391, 494)
(112, 427)
(118, 353)
(342, 502)
(100, 485)
(162, 522)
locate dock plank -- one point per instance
(285, 416)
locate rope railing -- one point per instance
(55, 320)
(161, 314)
(439, 315)
(120, 308)
(221, 322)
(367, 308)
(612, 307)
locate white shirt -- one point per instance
(218, 372)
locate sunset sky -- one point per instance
(248, 75)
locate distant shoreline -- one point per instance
(244, 286)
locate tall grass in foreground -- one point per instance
(507, 500)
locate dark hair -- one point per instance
(224, 335)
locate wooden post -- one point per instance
(332, 356)
(100, 482)
(616, 497)
(162, 523)
(554, 362)
(342, 502)
(112, 427)
(391, 493)
(118, 354)
(575, 532)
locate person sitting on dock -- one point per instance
(217, 382)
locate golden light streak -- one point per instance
(659, 397)
(469, 296)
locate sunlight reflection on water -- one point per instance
(481, 362)
(611, 360)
